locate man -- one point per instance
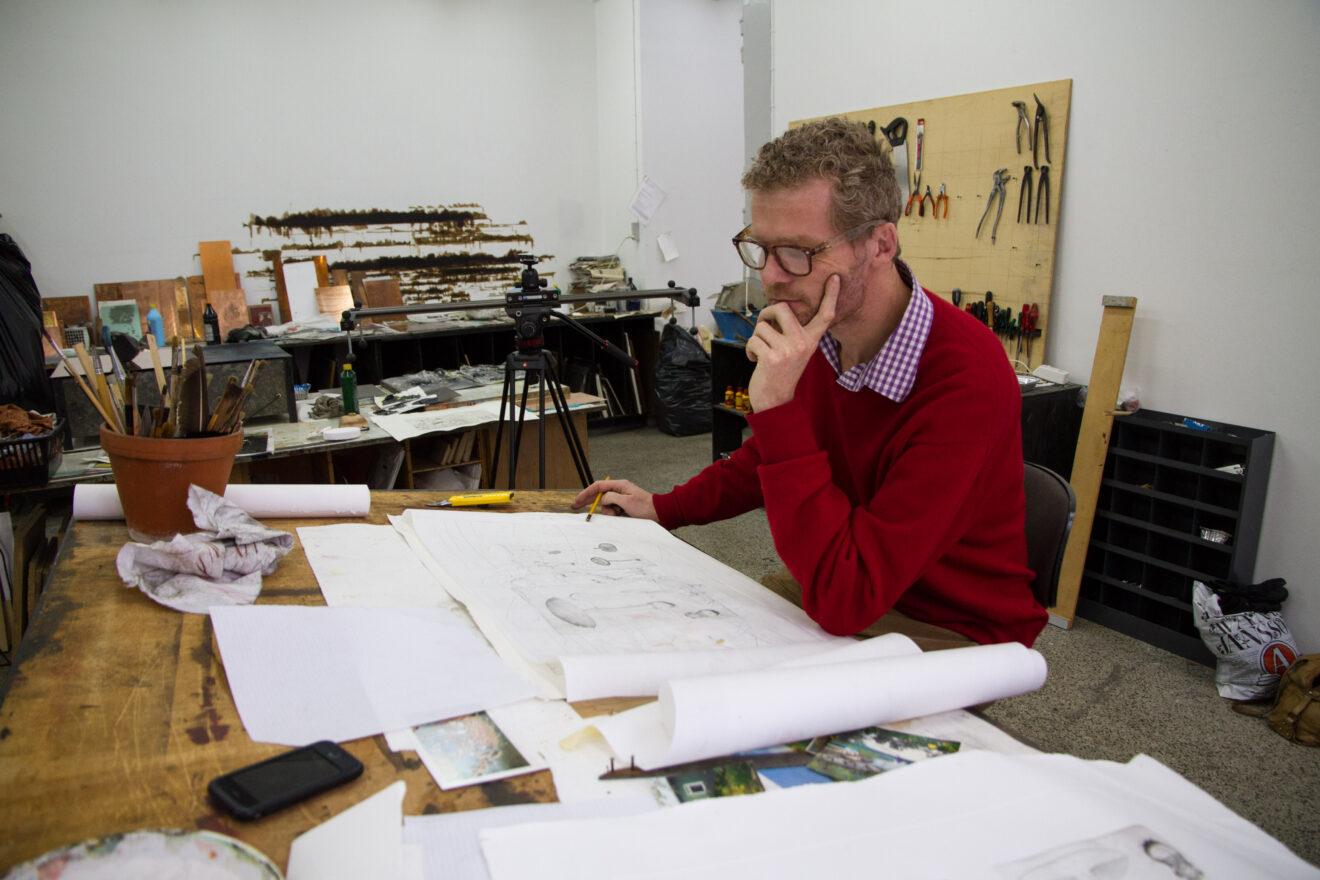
(886, 443)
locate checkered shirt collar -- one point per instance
(893, 370)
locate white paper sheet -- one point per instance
(961, 815)
(300, 285)
(699, 718)
(449, 840)
(408, 425)
(593, 676)
(260, 500)
(366, 840)
(543, 586)
(361, 564)
(301, 674)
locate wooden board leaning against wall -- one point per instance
(965, 140)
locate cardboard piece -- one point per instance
(217, 265)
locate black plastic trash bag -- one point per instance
(682, 383)
(23, 379)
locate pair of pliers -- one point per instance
(1042, 194)
(1022, 121)
(998, 189)
(1024, 193)
(920, 199)
(941, 199)
(1042, 127)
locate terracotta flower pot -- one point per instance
(152, 475)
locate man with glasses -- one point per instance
(886, 445)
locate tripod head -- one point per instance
(531, 304)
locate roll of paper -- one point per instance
(699, 718)
(261, 500)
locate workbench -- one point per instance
(117, 712)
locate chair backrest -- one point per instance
(1051, 504)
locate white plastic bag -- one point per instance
(1252, 648)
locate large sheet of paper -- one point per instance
(360, 564)
(300, 674)
(593, 676)
(366, 840)
(449, 840)
(408, 425)
(546, 585)
(699, 718)
(967, 815)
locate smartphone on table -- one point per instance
(266, 786)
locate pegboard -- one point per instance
(966, 139)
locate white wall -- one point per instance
(135, 129)
(1190, 183)
(691, 92)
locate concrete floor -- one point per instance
(1108, 696)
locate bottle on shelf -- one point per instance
(211, 325)
(156, 325)
(728, 396)
(348, 388)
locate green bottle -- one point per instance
(348, 387)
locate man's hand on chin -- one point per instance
(781, 347)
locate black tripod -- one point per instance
(532, 306)
(532, 360)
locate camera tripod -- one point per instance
(532, 306)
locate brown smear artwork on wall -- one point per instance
(440, 253)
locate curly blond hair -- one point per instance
(840, 151)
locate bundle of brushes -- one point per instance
(184, 409)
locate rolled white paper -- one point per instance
(699, 718)
(261, 500)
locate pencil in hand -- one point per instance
(594, 503)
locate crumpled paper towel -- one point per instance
(220, 565)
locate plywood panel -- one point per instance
(967, 138)
(72, 310)
(217, 265)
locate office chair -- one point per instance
(1051, 504)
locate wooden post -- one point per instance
(1093, 445)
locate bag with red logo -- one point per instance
(1243, 627)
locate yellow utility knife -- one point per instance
(476, 499)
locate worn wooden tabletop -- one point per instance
(117, 712)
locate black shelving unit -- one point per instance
(1170, 489)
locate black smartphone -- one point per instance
(266, 786)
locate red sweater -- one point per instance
(876, 505)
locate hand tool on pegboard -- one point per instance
(1042, 127)
(1023, 121)
(1043, 192)
(998, 188)
(895, 134)
(1024, 193)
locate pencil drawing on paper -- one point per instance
(557, 585)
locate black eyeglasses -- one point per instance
(792, 259)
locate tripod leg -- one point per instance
(506, 401)
(566, 425)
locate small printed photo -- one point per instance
(861, 753)
(726, 780)
(469, 750)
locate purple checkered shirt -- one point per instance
(893, 370)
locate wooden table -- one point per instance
(117, 711)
